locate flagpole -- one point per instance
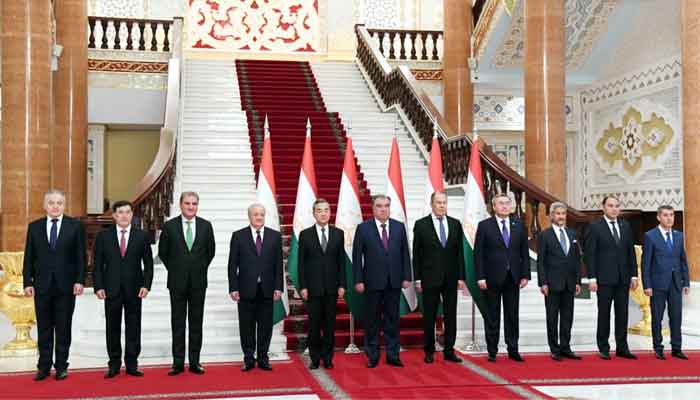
(473, 346)
(352, 347)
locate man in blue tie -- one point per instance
(381, 266)
(54, 273)
(664, 278)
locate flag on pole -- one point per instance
(303, 209)
(434, 183)
(348, 215)
(267, 196)
(394, 190)
(474, 212)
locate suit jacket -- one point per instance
(434, 265)
(608, 262)
(112, 272)
(186, 268)
(67, 263)
(321, 273)
(491, 256)
(659, 262)
(555, 269)
(245, 266)
(372, 264)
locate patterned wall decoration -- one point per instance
(513, 154)
(427, 74)
(630, 141)
(253, 25)
(507, 112)
(381, 14)
(128, 66)
(118, 8)
(585, 21)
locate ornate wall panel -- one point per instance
(506, 112)
(282, 26)
(631, 138)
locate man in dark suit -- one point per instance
(255, 274)
(54, 273)
(502, 265)
(186, 247)
(612, 271)
(665, 278)
(559, 279)
(119, 253)
(438, 268)
(322, 281)
(381, 267)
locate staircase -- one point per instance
(287, 92)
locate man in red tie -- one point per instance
(123, 272)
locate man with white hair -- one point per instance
(54, 273)
(255, 280)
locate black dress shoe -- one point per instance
(452, 357)
(571, 355)
(516, 357)
(176, 370)
(197, 369)
(41, 375)
(264, 365)
(626, 354)
(328, 364)
(248, 366)
(428, 358)
(396, 362)
(660, 355)
(111, 373)
(492, 357)
(372, 363)
(314, 365)
(604, 355)
(134, 372)
(61, 375)
(679, 354)
(555, 357)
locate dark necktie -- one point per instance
(258, 244)
(122, 243)
(616, 234)
(443, 234)
(324, 239)
(53, 235)
(385, 238)
(505, 233)
(669, 243)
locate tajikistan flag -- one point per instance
(394, 189)
(267, 196)
(303, 209)
(474, 212)
(348, 215)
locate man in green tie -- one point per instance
(186, 247)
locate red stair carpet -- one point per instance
(540, 370)
(440, 380)
(287, 93)
(220, 381)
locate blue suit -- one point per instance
(382, 271)
(665, 271)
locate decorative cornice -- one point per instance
(491, 12)
(128, 66)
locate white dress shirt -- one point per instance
(193, 226)
(379, 227)
(319, 233)
(126, 235)
(436, 224)
(49, 224)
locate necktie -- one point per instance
(258, 244)
(443, 234)
(616, 234)
(505, 233)
(669, 243)
(53, 236)
(324, 239)
(188, 235)
(122, 243)
(385, 238)
(563, 242)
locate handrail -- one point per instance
(397, 86)
(109, 33)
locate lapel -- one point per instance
(662, 239)
(431, 225)
(317, 240)
(199, 230)
(555, 237)
(375, 232)
(61, 229)
(182, 233)
(117, 238)
(266, 239)
(251, 239)
(393, 227)
(606, 227)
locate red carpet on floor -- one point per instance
(417, 380)
(220, 380)
(540, 370)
